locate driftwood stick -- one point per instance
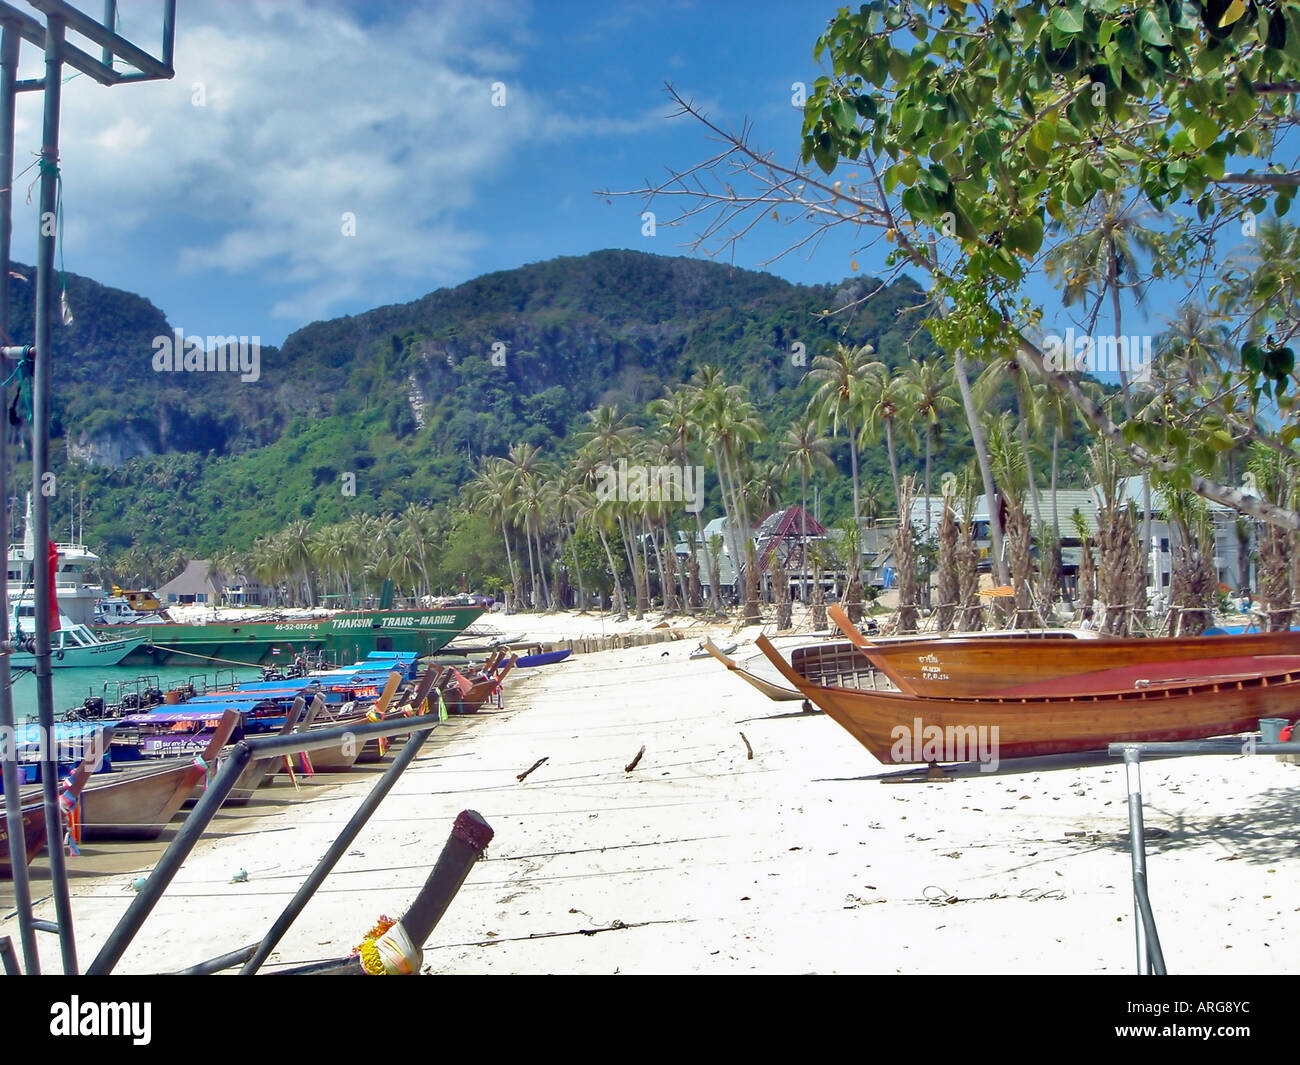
(537, 763)
(747, 746)
(632, 764)
(401, 948)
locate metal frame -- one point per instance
(59, 17)
(232, 766)
(1150, 958)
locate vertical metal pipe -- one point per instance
(169, 33)
(1137, 848)
(110, 23)
(9, 45)
(336, 851)
(49, 163)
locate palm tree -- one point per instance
(928, 386)
(1267, 291)
(838, 398)
(884, 396)
(489, 494)
(609, 438)
(985, 465)
(805, 450)
(1101, 257)
(677, 417)
(731, 427)
(298, 551)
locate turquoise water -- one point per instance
(71, 686)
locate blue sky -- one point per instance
(221, 195)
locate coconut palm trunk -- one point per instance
(985, 467)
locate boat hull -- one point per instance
(897, 728)
(33, 837)
(33, 818)
(139, 804)
(257, 643)
(110, 652)
(959, 666)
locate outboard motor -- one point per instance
(93, 707)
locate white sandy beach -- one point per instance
(702, 860)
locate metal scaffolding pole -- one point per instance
(9, 44)
(59, 16)
(43, 485)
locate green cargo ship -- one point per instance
(349, 635)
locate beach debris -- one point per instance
(240, 877)
(535, 765)
(748, 747)
(632, 764)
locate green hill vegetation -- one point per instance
(394, 411)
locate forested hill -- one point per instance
(410, 397)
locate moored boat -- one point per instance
(897, 727)
(774, 692)
(547, 658)
(978, 664)
(72, 646)
(354, 633)
(138, 802)
(33, 816)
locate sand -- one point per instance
(704, 860)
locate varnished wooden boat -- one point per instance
(896, 726)
(409, 703)
(332, 759)
(260, 771)
(466, 695)
(139, 802)
(774, 692)
(964, 665)
(33, 816)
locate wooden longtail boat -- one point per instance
(465, 695)
(963, 665)
(337, 757)
(774, 692)
(410, 703)
(260, 771)
(139, 802)
(33, 814)
(898, 727)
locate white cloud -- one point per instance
(309, 111)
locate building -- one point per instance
(195, 585)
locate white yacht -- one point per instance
(74, 646)
(77, 598)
